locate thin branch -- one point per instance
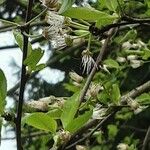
(98, 61)
(23, 79)
(133, 128)
(34, 134)
(91, 133)
(146, 139)
(135, 92)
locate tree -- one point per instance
(109, 93)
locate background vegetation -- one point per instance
(103, 48)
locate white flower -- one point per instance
(126, 45)
(87, 61)
(121, 59)
(52, 4)
(132, 57)
(55, 32)
(135, 63)
(122, 146)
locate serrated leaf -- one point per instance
(66, 4)
(19, 39)
(3, 91)
(78, 122)
(111, 63)
(69, 110)
(87, 14)
(32, 60)
(115, 94)
(41, 121)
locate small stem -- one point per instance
(78, 25)
(36, 17)
(89, 41)
(32, 36)
(9, 22)
(147, 137)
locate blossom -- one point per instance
(122, 146)
(52, 4)
(87, 61)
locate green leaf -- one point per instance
(146, 55)
(3, 91)
(2, 1)
(144, 98)
(55, 113)
(69, 110)
(40, 67)
(115, 93)
(66, 4)
(87, 14)
(112, 131)
(81, 32)
(32, 60)
(19, 39)
(41, 121)
(78, 122)
(111, 4)
(1, 123)
(111, 63)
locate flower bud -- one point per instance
(74, 76)
(132, 57)
(121, 59)
(135, 63)
(126, 45)
(64, 136)
(122, 146)
(80, 147)
(133, 104)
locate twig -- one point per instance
(135, 92)
(132, 128)
(26, 136)
(98, 61)
(23, 79)
(146, 139)
(91, 133)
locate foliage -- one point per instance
(107, 99)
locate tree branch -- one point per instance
(98, 61)
(24, 77)
(146, 139)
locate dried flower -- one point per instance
(94, 90)
(64, 136)
(87, 61)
